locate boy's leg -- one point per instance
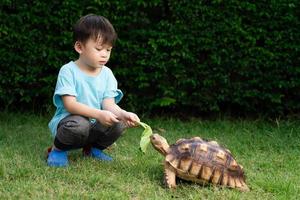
(72, 133)
(102, 137)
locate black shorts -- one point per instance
(75, 131)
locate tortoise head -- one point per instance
(159, 143)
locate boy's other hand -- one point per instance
(130, 119)
(107, 118)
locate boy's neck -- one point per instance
(88, 69)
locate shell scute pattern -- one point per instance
(205, 160)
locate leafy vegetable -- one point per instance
(145, 138)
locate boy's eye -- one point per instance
(108, 49)
(100, 49)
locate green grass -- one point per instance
(269, 152)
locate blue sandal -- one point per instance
(96, 153)
(57, 159)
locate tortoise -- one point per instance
(200, 161)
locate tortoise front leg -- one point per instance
(170, 177)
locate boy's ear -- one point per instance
(78, 47)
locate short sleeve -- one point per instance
(112, 90)
(64, 86)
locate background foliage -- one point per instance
(179, 55)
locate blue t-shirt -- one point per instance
(89, 90)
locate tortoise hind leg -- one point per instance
(170, 177)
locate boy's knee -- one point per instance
(73, 132)
(77, 125)
(118, 128)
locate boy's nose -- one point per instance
(104, 55)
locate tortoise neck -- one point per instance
(165, 149)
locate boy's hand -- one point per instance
(130, 119)
(107, 118)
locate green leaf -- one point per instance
(145, 138)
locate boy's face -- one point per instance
(93, 53)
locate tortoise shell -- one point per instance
(205, 162)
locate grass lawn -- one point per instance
(269, 152)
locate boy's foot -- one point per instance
(96, 153)
(57, 158)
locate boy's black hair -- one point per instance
(94, 26)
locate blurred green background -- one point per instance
(172, 56)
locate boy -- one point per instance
(85, 96)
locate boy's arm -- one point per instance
(105, 117)
(129, 118)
